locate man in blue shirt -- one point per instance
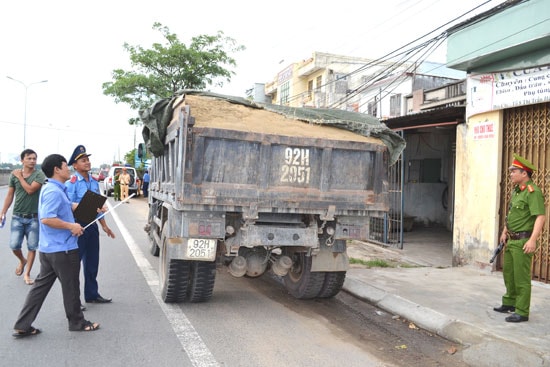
(88, 243)
(146, 179)
(58, 251)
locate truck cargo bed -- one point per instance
(281, 172)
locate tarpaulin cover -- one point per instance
(157, 117)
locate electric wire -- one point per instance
(397, 52)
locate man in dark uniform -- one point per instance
(88, 243)
(524, 223)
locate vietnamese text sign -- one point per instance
(496, 91)
(484, 130)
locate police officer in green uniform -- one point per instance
(524, 224)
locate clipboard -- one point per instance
(86, 211)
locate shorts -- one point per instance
(24, 227)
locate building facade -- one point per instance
(321, 81)
(506, 53)
(421, 182)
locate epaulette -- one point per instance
(530, 188)
(73, 179)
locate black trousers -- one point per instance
(64, 266)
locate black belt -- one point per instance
(26, 216)
(519, 235)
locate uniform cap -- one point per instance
(522, 163)
(79, 152)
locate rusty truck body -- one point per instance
(256, 199)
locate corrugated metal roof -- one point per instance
(439, 116)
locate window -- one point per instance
(319, 81)
(285, 93)
(309, 88)
(372, 107)
(395, 105)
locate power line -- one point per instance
(401, 50)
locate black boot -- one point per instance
(504, 309)
(516, 318)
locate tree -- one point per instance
(164, 69)
(130, 157)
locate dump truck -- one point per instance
(257, 189)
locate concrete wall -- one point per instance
(423, 200)
(477, 190)
(4, 176)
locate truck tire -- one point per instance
(203, 276)
(300, 281)
(333, 284)
(174, 276)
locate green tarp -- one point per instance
(157, 117)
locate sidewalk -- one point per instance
(457, 304)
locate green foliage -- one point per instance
(11, 166)
(163, 69)
(130, 157)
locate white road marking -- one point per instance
(192, 343)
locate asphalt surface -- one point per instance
(457, 304)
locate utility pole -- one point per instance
(25, 116)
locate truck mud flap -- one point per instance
(332, 255)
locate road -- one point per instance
(248, 322)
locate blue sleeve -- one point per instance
(76, 190)
(48, 205)
(95, 186)
(71, 191)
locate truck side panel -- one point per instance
(236, 168)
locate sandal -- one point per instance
(24, 333)
(87, 326)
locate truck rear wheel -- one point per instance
(174, 275)
(300, 281)
(203, 276)
(333, 284)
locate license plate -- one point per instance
(201, 249)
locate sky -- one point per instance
(75, 46)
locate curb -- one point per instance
(482, 349)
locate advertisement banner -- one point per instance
(506, 89)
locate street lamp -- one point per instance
(58, 132)
(25, 116)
